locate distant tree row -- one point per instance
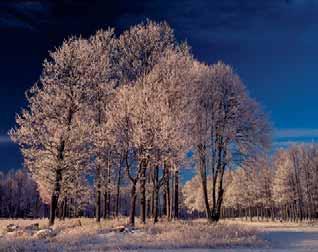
(132, 111)
(279, 187)
(19, 196)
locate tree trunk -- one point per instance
(300, 209)
(55, 196)
(64, 208)
(132, 205)
(98, 204)
(108, 190)
(167, 191)
(98, 194)
(287, 212)
(218, 177)
(118, 192)
(176, 195)
(143, 194)
(148, 198)
(165, 198)
(168, 196)
(106, 213)
(203, 175)
(273, 213)
(58, 179)
(54, 200)
(156, 206)
(215, 213)
(149, 214)
(171, 212)
(152, 202)
(156, 195)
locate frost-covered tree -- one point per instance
(101, 71)
(259, 175)
(282, 186)
(251, 186)
(192, 194)
(236, 193)
(156, 69)
(295, 180)
(136, 122)
(140, 48)
(170, 80)
(137, 103)
(49, 130)
(309, 178)
(227, 123)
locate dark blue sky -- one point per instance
(272, 44)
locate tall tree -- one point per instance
(227, 123)
(47, 127)
(101, 77)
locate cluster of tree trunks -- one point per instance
(163, 198)
(287, 212)
(171, 194)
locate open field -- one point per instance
(227, 236)
(86, 235)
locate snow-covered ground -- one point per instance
(281, 239)
(196, 236)
(300, 239)
(284, 237)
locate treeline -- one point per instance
(19, 196)
(128, 113)
(282, 187)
